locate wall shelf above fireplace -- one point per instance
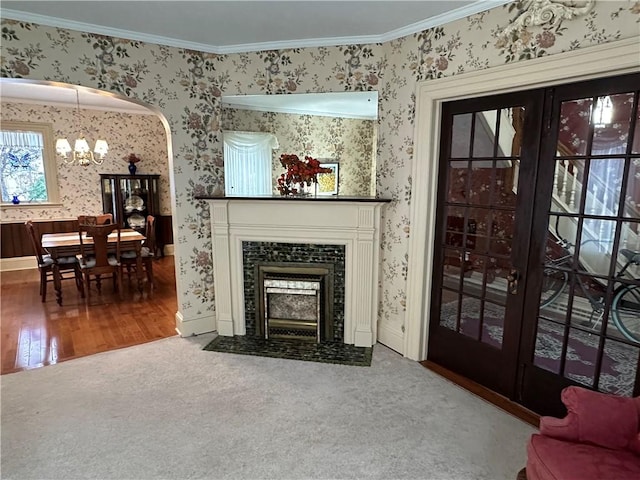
(307, 198)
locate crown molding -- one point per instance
(451, 16)
(302, 43)
(102, 30)
(478, 6)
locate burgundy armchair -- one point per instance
(599, 438)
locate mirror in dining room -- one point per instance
(335, 128)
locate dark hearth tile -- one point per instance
(326, 352)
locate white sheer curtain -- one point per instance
(13, 138)
(247, 162)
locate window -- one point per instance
(247, 163)
(27, 163)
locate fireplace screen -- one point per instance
(295, 302)
(292, 309)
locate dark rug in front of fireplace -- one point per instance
(326, 352)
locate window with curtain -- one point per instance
(247, 163)
(28, 172)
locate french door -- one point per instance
(538, 227)
(583, 315)
(488, 170)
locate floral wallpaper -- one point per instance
(347, 141)
(80, 192)
(186, 86)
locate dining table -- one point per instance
(67, 244)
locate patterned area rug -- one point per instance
(327, 352)
(618, 361)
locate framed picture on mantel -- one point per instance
(328, 182)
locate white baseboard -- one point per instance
(168, 249)
(194, 326)
(394, 339)
(363, 339)
(18, 263)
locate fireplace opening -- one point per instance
(295, 301)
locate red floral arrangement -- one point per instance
(302, 172)
(132, 158)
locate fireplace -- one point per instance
(291, 309)
(295, 301)
(282, 262)
(343, 232)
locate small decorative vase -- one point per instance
(15, 200)
(132, 168)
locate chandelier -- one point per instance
(603, 113)
(81, 153)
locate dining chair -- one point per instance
(102, 219)
(128, 258)
(95, 259)
(46, 264)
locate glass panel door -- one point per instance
(587, 327)
(483, 223)
(480, 212)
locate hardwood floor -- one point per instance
(35, 334)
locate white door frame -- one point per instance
(615, 58)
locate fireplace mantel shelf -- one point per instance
(350, 221)
(310, 198)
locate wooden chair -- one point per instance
(104, 219)
(128, 259)
(95, 259)
(46, 263)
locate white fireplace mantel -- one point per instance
(352, 222)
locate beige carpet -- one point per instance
(167, 409)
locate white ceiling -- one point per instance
(242, 26)
(228, 27)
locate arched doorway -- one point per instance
(129, 127)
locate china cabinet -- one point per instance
(130, 198)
